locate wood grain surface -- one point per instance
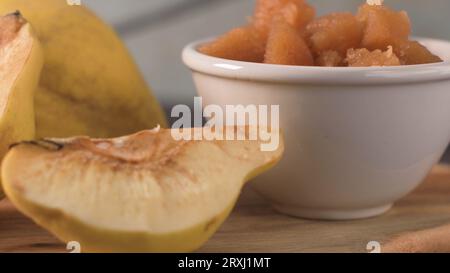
(257, 228)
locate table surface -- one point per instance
(255, 227)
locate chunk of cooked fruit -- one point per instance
(240, 44)
(383, 27)
(337, 31)
(363, 57)
(285, 32)
(286, 46)
(329, 58)
(412, 52)
(298, 13)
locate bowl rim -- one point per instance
(238, 70)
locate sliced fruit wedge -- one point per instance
(141, 193)
(21, 62)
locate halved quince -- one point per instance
(21, 62)
(141, 193)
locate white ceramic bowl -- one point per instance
(357, 139)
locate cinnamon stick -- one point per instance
(435, 240)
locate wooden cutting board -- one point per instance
(255, 227)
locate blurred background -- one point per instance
(157, 30)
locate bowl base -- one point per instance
(336, 215)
